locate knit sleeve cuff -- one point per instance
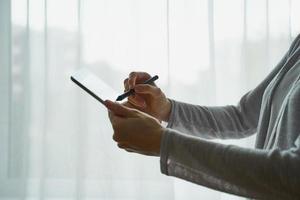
(172, 113)
(164, 151)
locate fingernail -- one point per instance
(108, 102)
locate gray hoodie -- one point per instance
(271, 110)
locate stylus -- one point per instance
(131, 91)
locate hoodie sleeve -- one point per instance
(225, 122)
(261, 174)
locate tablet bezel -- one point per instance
(87, 90)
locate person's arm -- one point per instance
(261, 174)
(224, 121)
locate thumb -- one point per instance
(147, 89)
(119, 109)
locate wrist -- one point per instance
(160, 136)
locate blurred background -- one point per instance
(56, 141)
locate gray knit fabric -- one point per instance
(271, 110)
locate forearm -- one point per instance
(211, 122)
(227, 121)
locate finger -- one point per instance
(137, 101)
(140, 77)
(123, 145)
(127, 147)
(116, 137)
(110, 115)
(113, 118)
(147, 89)
(133, 150)
(119, 109)
(132, 79)
(126, 85)
(129, 150)
(128, 104)
(116, 121)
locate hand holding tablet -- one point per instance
(135, 130)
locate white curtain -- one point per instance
(56, 141)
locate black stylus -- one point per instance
(131, 91)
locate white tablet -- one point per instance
(93, 85)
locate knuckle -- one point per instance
(131, 74)
(110, 115)
(158, 90)
(114, 137)
(145, 74)
(130, 81)
(150, 89)
(126, 87)
(131, 99)
(114, 124)
(146, 87)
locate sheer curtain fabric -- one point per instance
(56, 141)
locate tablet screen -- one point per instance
(93, 85)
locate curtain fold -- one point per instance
(56, 141)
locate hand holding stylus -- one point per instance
(131, 91)
(147, 97)
(136, 123)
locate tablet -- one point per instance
(93, 85)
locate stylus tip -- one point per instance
(119, 98)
